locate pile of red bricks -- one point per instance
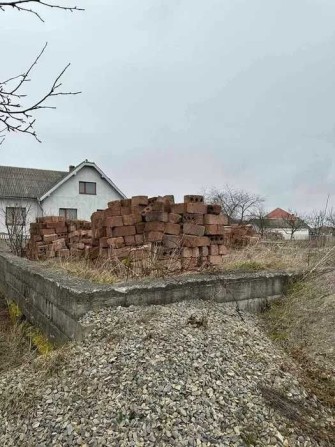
(52, 236)
(192, 231)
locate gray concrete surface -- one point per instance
(55, 302)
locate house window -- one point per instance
(87, 188)
(68, 213)
(16, 215)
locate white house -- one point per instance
(29, 193)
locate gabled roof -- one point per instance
(40, 183)
(27, 183)
(278, 213)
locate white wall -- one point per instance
(67, 195)
(299, 235)
(32, 207)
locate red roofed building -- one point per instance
(278, 213)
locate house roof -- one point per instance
(26, 182)
(278, 213)
(40, 183)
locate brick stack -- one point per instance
(192, 230)
(52, 236)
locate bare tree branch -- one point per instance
(237, 204)
(20, 5)
(14, 117)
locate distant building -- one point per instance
(280, 222)
(29, 193)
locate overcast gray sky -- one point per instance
(179, 95)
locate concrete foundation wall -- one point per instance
(55, 302)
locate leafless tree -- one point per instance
(14, 115)
(237, 204)
(330, 220)
(317, 220)
(260, 220)
(293, 223)
(16, 219)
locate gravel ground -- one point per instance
(187, 374)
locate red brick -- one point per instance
(178, 208)
(223, 250)
(171, 241)
(139, 200)
(125, 210)
(212, 230)
(140, 227)
(129, 230)
(214, 209)
(58, 244)
(217, 239)
(195, 241)
(125, 202)
(113, 221)
(154, 236)
(114, 209)
(171, 228)
(157, 216)
(190, 228)
(215, 260)
(154, 226)
(193, 218)
(50, 237)
(129, 240)
(187, 252)
(46, 231)
(116, 242)
(195, 208)
(139, 239)
(61, 228)
(132, 219)
(212, 219)
(174, 218)
(194, 199)
(213, 250)
(103, 243)
(204, 251)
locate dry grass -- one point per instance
(291, 256)
(303, 324)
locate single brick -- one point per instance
(193, 229)
(116, 242)
(215, 260)
(187, 252)
(46, 231)
(157, 216)
(103, 243)
(172, 228)
(113, 221)
(174, 218)
(214, 209)
(125, 203)
(154, 226)
(125, 210)
(140, 227)
(223, 250)
(204, 251)
(212, 219)
(139, 239)
(195, 208)
(194, 199)
(195, 241)
(154, 236)
(158, 206)
(132, 219)
(217, 239)
(50, 237)
(129, 240)
(213, 250)
(139, 200)
(212, 230)
(178, 208)
(129, 230)
(193, 218)
(171, 241)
